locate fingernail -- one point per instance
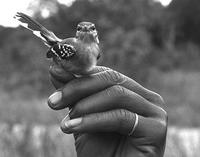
(55, 98)
(73, 123)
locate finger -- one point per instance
(115, 77)
(57, 84)
(59, 77)
(98, 69)
(83, 87)
(120, 121)
(75, 90)
(64, 76)
(144, 92)
(59, 74)
(116, 97)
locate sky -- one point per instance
(164, 2)
(7, 11)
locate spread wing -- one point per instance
(40, 31)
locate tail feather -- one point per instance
(40, 31)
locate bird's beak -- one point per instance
(85, 29)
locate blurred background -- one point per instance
(155, 42)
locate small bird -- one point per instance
(77, 54)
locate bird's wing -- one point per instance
(40, 31)
(63, 51)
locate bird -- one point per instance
(78, 54)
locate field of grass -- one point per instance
(28, 127)
(183, 142)
(22, 140)
(48, 141)
(17, 108)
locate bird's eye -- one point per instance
(78, 28)
(93, 28)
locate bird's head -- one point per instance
(86, 31)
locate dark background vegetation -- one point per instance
(155, 45)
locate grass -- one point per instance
(183, 142)
(17, 108)
(34, 141)
(21, 140)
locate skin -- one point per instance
(103, 107)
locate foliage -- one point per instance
(186, 19)
(135, 35)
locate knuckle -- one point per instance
(114, 76)
(116, 90)
(162, 127)
(161, 100)
(158, 99)
(99, 117)
(119, 89)
(102, 68)
(121, 114)
(165, 119)
(111, 76)
(163, 122)
(124, 117)
(105, 68)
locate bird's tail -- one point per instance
(40, 31)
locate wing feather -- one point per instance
(40, 31)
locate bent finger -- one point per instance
(62, 75)
(59, 74)
(119, 121)
(116, 97)
(59, 77)
(57, 84)
(80, 88)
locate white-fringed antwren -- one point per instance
(78, 54)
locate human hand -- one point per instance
(103, 113)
